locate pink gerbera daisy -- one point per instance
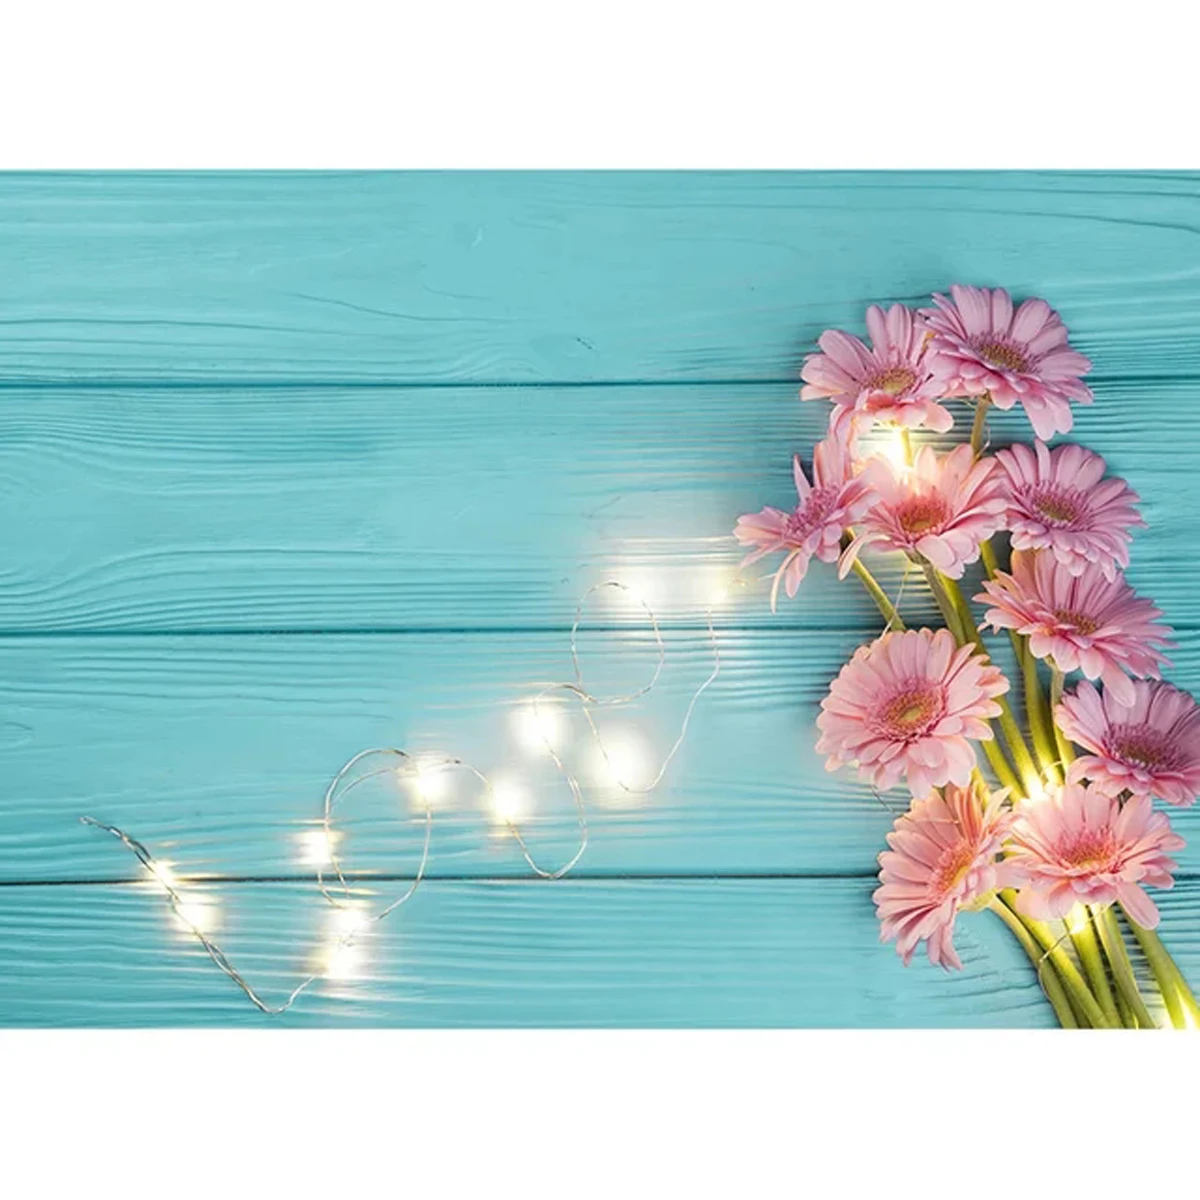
(1086, 622)
(1150, 747)
(888, 382)
(942, 859)
(907, 704)
(1060, 501)
(1078, 846)
(980, 345)
(835, 499)
(943, 508)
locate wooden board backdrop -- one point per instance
(291, 465)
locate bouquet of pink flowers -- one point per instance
(1060, 838)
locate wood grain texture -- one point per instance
(654, 953)
(505, 277)
(293, 464)
(216, 751)
(465, 508)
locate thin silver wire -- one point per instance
(406, 766)
(214, 951)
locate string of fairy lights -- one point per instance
(427, 779)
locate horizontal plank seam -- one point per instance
(668, 627)
(268, 383)
(362, 878)
(590, 877)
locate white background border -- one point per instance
(623, 83)
(860, 85)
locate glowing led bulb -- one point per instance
(718, 592)
(346, 920)
(163, 873)
(318, 846)
(429, 783)
(640, 588)
(343, 961)
(1077, 919)
(509, 801)
(343, 955)
(539, 726)
(622, 763)
(1041, 792)
(197, 916)
(896, 451)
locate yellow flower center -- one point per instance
(893, 381)
(1003, 354)
(911, 711)
(920, 514)
(952, 868)
(1092, 850)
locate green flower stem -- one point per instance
(1031, 780)
(988, 555)
(1022, 759)
(1040, 725)
(1128, 1020)
(1122, 968)
(954, 622)
(1088, 949)
(1177, 996)
(1077, 988)
(884, 604)
(1047, 975)
(945, 602)
(979, 425)
(1066, 755)
(1005, 775)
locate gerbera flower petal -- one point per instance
(943, 507)
(888, 381)
(1059, 501)
(943, 855)
(1077, 845)
(836, 499)
(979, 346)
(1150, 746)
(1084, 622)
(887, 709)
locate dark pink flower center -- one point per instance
(819, 505)
(1059, 507)
(1076, 622)
(1141, 746)
(917, 515)
(1091, 850)
(1000, 352)
(912, 711)
(952, 868)
(892, 380)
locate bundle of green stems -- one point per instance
(1084, 963)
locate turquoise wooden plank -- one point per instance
(654, 953)
(344, 509)
(562, 276)
(195, 437)
(395, 509)
(216, 752)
